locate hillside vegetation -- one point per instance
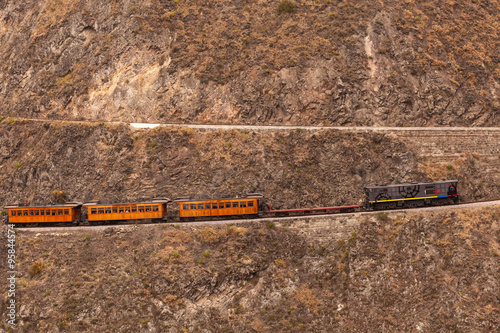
(412, 273)
(293, 169)
(336, 62)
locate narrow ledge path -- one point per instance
(281, 220)
(145, 126)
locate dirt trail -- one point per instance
(141, 126)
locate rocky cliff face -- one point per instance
(407, 272)
(292, 169)
(329, 62)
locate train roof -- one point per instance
(241, 196)
(154, 201)
(22, 206)
(413, 184)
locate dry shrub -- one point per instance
(173, 301)
(280, 263)
(287, 6)
(176, 236)
(235, 231)
(306, 297)
(207, 235)
(36, 269)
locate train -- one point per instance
(244, 206)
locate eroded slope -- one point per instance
(329, 62)
(413, 272)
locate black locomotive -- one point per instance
(411, 195)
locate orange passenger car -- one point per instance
(64, 213)
(155, 210)
(245, 205)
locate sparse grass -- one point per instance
(206, 254)
(384, 217)
(449, 167)
(175, 254)
(353, 237)
(271, 225)
(152, 144)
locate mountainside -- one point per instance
(73, 73)
(425, 272)
(292, 169)
(313, 62)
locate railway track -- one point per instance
(479, 204)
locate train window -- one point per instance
(25, 213)
(93, 211)
(214, 205)
(148, 208)
(200, 206)
(19, 212)
(42, 212)
(108, 210)
(12, 213)
(141, 209)
(121, 209)
(155, 208)
(221, 205)
(134, 209)
(235, 205)
(115, 209)
(37, 212)
(207, 206)
(66, 212)
(228, 205)
(31, 213)
(47, 212)
(59, 212)
(250, 204)
(53, 212)
(185, 207)
(192, 206)
(243, 204)
(100, 210)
